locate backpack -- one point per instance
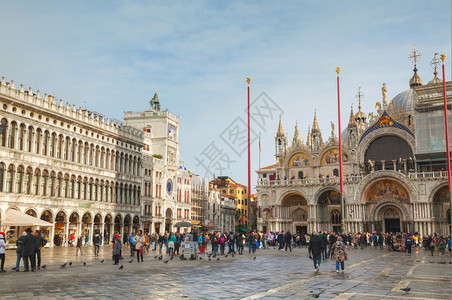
(222, 239)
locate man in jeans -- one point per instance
(231, 242)
(132, 245)
(315, 250)
(40, 242)
(331, 240)
(96, 241)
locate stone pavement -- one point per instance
(369, 274)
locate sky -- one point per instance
(110, 56)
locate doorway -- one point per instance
(392, 225)
(301, 229)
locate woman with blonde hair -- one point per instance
(341, 255)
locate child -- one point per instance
(117, 250)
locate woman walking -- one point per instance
(341, 255)
(139, 242)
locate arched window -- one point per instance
(387, 148)
(53, 142)
(21, 137)
(84, 187)
(30, 137)
(38, 141)
(44, 183)
(107, 159)
(12, 135)
(2, 176)
(59, 146)
(91, 155)
(300, 174)
(336, 217)
(96, 157)
(3, 132)
(80, 152)
(36, 180)
(45, 143)
(85, 153)
(28, 181)
(19, 180)
(52, 183)
(59, 184)
(66, 193)
(10, 179)
(73, 150)
(67, 149)
(102, 157)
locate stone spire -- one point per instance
(280, 131)
(296, 137)
(315, 124)
(351, 121)
(308, 142)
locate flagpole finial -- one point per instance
(338, 70)
(443, 57)
(248, 80)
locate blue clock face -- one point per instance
(169, 186)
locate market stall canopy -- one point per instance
(16, 218)
(182, 224)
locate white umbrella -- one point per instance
(16, 218)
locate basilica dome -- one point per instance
(404, 101)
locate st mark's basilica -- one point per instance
(394, 166)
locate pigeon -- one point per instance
(166, 261)
(13, 269)
(406, 290)
(210, 259)
(44, 266)
(181, 257)
(172, 257)
(160, 257)
(316, 295)
(226, 255)
(233, 255)
(102, 261)
(131, 261)
(70, 263)
(121, 267)
(84, 263)
(210, 254)
(218, 258)
(254, 257)
(200, 258)
(64, 265)
(155, 257)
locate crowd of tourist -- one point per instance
(321, 245)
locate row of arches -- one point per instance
(34, 181)
(44, 142)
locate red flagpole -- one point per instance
(443, 57)
(446, 125)
(340, 149)
(249, 148)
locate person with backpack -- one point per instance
(231, 242)
(239, 240)
(40, 242)
(441, 245)
(19, 245)
(251, 242)
(96, 241)
(132, 245)
(222, 243)
(315, 249)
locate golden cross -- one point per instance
(415, 55)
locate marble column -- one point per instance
(66, 233)
(79, 229)
(91, 233)
(52, 234)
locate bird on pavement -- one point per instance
(64, 265)
(200, 258)
(155, 257)
(316, 295)
(166, 261)
(406, 290)
(160, 257)
(218, 258)
(84, 263)
(210, 254)
(44, 266)
(70, 263)
(102, 260)
(121, 267)
(226, 255)
(131, 261)
(172, 257)
(254, 257)
(210, 259)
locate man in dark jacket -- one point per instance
(96, 241)
(331, 240)
(281, 240)
(315, 250)
(40, 242)
(231, 242)
(28, 250)
(288, 240)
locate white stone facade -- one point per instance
(71, 167)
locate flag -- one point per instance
(260, 149)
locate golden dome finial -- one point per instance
(248, 80)
(434, 64)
